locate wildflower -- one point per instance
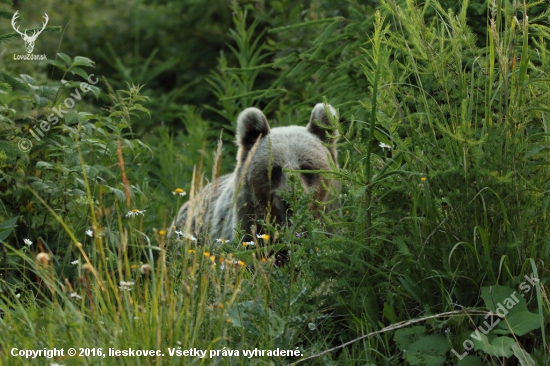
(43, 258)
(240, 263)
(162, 232)
(423, 179)
(145, 269)
(228, 320)
(74, 295)
(384, 146)
(220, 241)
(90, 233)
(135, 212)
(27, 242)
(191, 251)
(212, 258)
(347, 212)
(126, 285)
(298, 235)
(75, 262)
(206, 254)
(181, 234)
(264, 260)
(262, 236)
(220, 305)
(179, 191)
(247, 243)
(18, 295)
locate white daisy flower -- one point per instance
(384, 146)
(181, 234)
(179, 191)
(75, 262)
(74, 295)
(220, 241)
(126, 285)
(248, 243)
(90, 233)
(135, 212)
(27, 242)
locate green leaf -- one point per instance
(524, 358)
(407, 336)
(57, 64)
(498, 347)
(389, 313)
(94, 89)
(429, 350)
(82, 61)
(65, 58)
(29, 80)
(470, 361)
(78, 71)
(502, 300)
(6, 227)
(44, 165)
(521, 323)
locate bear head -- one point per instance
(264, 154)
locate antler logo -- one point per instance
(29, 40)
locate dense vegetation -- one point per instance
(443, 210)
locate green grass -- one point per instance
(430, 234)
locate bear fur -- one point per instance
(245, 196)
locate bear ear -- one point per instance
(250, 125)
(319, 123)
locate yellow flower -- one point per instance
(264, 260)
(220, 305)
(212, 258)
(206, 254)
(222, 259)
(347, 212)
(240, 263)
(228, 320)
(221, 241)
(179, 191)
(162, 232)
(191, 251)
(262, 236)
(423, 179)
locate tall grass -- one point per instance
(443, 208)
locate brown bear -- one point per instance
(253, 190)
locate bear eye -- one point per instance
(276, 172)
(310, 179)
